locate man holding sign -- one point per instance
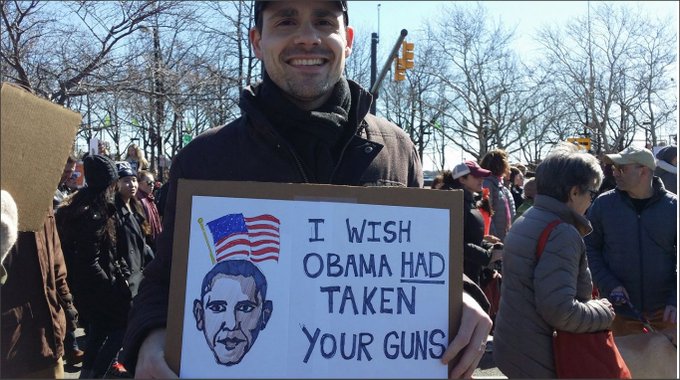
(305, 123)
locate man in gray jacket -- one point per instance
(632, 249)
(305, 123)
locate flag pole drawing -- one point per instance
(251, 238)
(207, 241)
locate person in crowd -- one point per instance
(135, 156)
(103, 149)
(35, 298)
(516, 186)
(145, 194)
(304, 123)
(88, 226)
(478, 252)
(553, 293)
(632, 251)
(62, 190)
(667, 167)
(72, 352)
(9, 224)
(609, 182)
(501, 199)
(528, 196)
(132, 234)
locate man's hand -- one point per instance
(151, 358)
(470, 341)
(670, 314)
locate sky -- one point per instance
(527, 16)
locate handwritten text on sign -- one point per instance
(349, 293)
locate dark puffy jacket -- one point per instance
(251, 149)
(476, 252)
(636, 251)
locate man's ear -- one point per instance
(349, 37)
(198, 314)
(267, 310)
(255, 36)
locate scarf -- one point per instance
(317, 137)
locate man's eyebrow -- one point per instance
(285, 12)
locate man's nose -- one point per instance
(230, 323)
(307, 34)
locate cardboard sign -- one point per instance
(313, 281)
(37, 137)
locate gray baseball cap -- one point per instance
(634, 155)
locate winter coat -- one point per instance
(151, 214)
(131, 245)
(97, 275)
(538, 298)
(638, 252)
(34, 299)
(499, 196)
(251, 149)
(476, 252)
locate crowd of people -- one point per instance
(610, 262)
(103, 258)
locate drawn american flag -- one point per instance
(255, 239)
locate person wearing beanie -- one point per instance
(304, 123)
(632, 251)
(667, 167)
(132, 233)
(87, 224)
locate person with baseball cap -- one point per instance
(632, 249)
(304, 123)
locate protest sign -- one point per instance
(313, 281)
(37, 137)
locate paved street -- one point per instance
(487, 369)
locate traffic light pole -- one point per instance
(375, 87)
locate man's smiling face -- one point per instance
(303, 45)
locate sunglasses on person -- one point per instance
(622, 168)
(593, 194)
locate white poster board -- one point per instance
(353, 290)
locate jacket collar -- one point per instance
(565, 214)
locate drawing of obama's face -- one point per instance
(232, 310)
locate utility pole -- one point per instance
(374, 68)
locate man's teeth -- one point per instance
(306, 62)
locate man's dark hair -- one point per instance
(236, 268)
(259, 6)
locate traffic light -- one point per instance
(399, 69)
(407, 54)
